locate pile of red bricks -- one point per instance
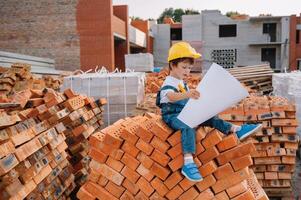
(19, 77)
(155, 80)
(141, 158)
(40, 140)
(276, 143)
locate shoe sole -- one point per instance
(250, 133)
(190, 178)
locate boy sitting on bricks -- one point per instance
(173, 96)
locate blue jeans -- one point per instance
(188, 134)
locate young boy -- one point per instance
(172, 98)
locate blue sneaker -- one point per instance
(247, 129)
(191, 172)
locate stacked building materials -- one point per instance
(276, 143)
(288, 85)
(43, 143)
(123, 91)
(155, 80)
(19, 77)
(256, 77)
(141, 62)
(141, 158)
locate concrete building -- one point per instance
(295, 43)
(230, 42)
(79, 34)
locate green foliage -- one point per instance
(176, 14)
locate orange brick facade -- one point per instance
(295, 46)
(104, 34)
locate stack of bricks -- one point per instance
(19, 77)
(155, 80)
(141, 158)
(48, 133)
(276, 143)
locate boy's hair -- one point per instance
(178, 60)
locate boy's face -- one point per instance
(181, 70)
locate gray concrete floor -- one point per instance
(296, 180)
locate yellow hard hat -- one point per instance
(182, 50)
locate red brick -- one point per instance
(97, 191)
(175, 138)
(239, 151)
(160, 158)
(270, 175)
(206, 195)
(130, 186)
(159, 144)
(112, 140)
(146, 173)
(83, 194)
(173, 180)
(117, 154)
(237, 189)
(175, 151)
(93, 176)
(158, 185)
(156, 196)
(223, 171)
(208, 155)
(114, 164)
(127, 196)
(230, 180)
(144, 134)
(160, 131)
(145, 160)
(248, 195)
(174, 193)
(192, 193)
(208, 168)
(159, 171)
(130, 174)
(144, 147)
(145, 186)
(207, 182)
(228, 142)
(7, 163)
(97, 155)
(114, 189)
(200, 134)
(107, 172)
(128, 136)
(212, 138)
(102, 181)
(130, 161)
(241, 162)
(222, 196)
(199, 148)
(141, 196)
(186, 184)
(130, 149)
(176, 163)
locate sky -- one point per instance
(153, 8)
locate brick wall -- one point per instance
(45, 28)
(295, 49)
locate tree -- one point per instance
(168, 12)
(176, 14)
(136, 18)
(232, 13)
(191, 12)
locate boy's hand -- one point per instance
(194, 94)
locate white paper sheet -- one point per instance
(219, 90)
